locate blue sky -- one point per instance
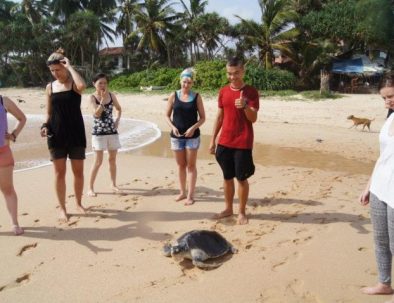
(247, 9)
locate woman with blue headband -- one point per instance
(185, 114)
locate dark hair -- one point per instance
(235, 61)
(387, 81)
(99, 76)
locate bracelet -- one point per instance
(245, 105)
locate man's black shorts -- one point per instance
(235, 162)
(74, 153)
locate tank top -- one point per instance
(3, 123)
(185, 115)
(104, 125)
(66, 127)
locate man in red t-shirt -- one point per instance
(238, 106)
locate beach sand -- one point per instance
(308, 239)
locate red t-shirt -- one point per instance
(237, 130)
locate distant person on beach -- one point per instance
(238, 105)
(379, 192)
(7, 160)
(64, 127)
(105, 130)
(185, 114)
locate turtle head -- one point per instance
(167, 250)
(179, 251)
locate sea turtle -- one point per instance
(199, 246)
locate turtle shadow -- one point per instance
(187, 264)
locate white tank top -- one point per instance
(382, 181)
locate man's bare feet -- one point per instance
(91, 193)
(379, 289)
(17, 230)
(180, 197)
(223, 214)
(81, 209)
(242, 219)
(189, 201)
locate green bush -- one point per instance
(210, 74)
(269, 79)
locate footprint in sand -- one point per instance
(72, 223)
(24, 214)
(26, 248)
(18, 282)
(362, 249)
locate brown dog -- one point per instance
(360, 121)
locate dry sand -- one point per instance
(308, 239)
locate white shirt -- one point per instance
(382, 181)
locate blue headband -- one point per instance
(187, 74)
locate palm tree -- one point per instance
(274, 32)
(65, 8)
(34, 10)
(190, 15)
(154, 23)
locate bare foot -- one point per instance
(379, 289)
(63, 216)
(115, 189)
(242, 219)
(189, 201)
(81, 209)
(91, 193)
(223, 214)
(180, 197)
(17, 230)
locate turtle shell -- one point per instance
(211, 242)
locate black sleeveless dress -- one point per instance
(65, 125)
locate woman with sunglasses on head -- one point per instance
(379, 193)
(64, 127)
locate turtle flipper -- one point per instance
(201, 264)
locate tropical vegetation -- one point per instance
(162, 36)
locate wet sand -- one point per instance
(308, 240)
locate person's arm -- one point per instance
(201, 120)
(217, 125)
(79, 82)
(14, 110)
(169, 108)
(97, 109)
(44, 127)
(364, 197)
(118, 110)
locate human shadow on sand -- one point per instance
(137, 227)
(202, 193)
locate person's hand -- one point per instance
(212, 147)
(10, 137)
(116, 124)
(364, 197)
(190, 132)
(44, 132)
(240, 103)
(66, 62)
(175, 131)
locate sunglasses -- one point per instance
(56, 61)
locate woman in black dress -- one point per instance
(64, 127)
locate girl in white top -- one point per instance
(379, 192)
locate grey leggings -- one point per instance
(382, 217)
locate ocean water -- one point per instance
(30, 151)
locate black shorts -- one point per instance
(74, 153)
(235, 162)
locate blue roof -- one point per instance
(348, 66)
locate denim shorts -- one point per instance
(106, 142)
(183, 143)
